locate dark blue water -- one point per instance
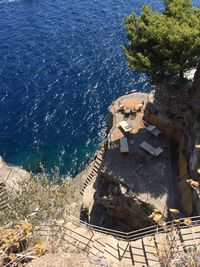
(61, 65)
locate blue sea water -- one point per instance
(61, 65)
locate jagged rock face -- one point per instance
(12, 176)
(182, 110)
(193, 154)
(127, 210)
(119, 204)
(180, 106)
(193, 136)
(176, 107)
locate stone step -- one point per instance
(150, 250)
(94, 172)
(98, 245)
(98, 161)
(190, 236)
(101, 153)
(79, 236)
(3, 198)
(126, 257)
(91, 176)
(95, 169)
(136, 248)
(96, 165)
(144, 252)
(100, 157)
(87, 181)
(111, 251)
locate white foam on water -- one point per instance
(9, 1)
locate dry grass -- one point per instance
(173, 253)
(190, 258)
(41, 199)
(29, 229)
(27, 225)
(15, 246)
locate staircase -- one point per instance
(3, 198)
(140, 253)
(92, 175)
(128, 248)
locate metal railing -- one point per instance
(85, 240)
(140, 233)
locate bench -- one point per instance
(124, 145)
(153, 130)
(151, 150)
(125, 126)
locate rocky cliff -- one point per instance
(177, 113)
(181, 110)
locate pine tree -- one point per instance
(164, 44)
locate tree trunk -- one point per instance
(181, 75)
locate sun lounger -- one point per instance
(153, 130)
(124, 145)
(125, 126)
(151, 150)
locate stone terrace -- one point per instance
(151, 178)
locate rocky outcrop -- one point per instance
(11, 176)
(121, 204)
(180, 114)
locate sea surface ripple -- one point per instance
(61, 65)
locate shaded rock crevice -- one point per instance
(115, 206)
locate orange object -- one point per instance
(129, 104)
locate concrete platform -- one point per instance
(151, 178)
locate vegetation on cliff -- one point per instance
(164, 44)
(38, 204)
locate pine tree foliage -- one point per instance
(164, 44)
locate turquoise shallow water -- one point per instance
(61, 65)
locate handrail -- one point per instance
(87, 240)
(136, 234)
(94, 226)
